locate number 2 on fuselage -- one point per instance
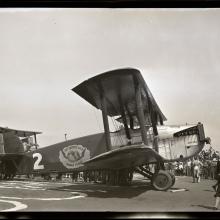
(37, 165)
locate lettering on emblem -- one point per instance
(73, 156)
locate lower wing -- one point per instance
(124, 157)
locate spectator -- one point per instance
(205, 169)
(216, 186)
(181, 168)
(170, 168)
(85, 175)
(213, 168)
(175, 165)
(196, 170)
(75, 176)
(188, 168)
(209, 168)
(217, 173)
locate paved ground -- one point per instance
(62, 196)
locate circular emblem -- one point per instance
(73, 156)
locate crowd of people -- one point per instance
(204, 165)
(112, 177)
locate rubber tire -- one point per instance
(162, 180)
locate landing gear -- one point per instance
(121, 177)
(162, 180)
(8, 169)
(5, 176)
(46, 176)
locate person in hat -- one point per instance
(216, 186)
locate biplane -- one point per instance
(141, 139)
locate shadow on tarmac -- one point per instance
(204, 206)
(207, 190)
(107, 191)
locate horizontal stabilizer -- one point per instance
(19, 133)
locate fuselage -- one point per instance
(174, 147)
(174, 143)
(170, 146)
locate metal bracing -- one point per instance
(140, 111)
(155, 131)
(143, 173)
(35, 141)
(105, 118)
(127, 132)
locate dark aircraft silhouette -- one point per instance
(142, 139)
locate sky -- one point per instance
(44, 53)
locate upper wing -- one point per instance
(19, 133)
(119, 85)
(135, 120)
(125, 157)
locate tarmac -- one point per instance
(39, 196)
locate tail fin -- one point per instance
(11, 144)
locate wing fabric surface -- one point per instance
(126, 157)
(114, 84)
(19, 133)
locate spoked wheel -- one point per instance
(162, 180)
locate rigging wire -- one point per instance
(117, 129)
(96, 117)
(113, 123)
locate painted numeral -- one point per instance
(37, 165)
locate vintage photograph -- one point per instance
(109, 110)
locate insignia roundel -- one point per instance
(73, 156)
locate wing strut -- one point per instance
(35, 141)
(155, 131)
(105, 118)
(140, 111)
(153, 116)
(128, 135)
